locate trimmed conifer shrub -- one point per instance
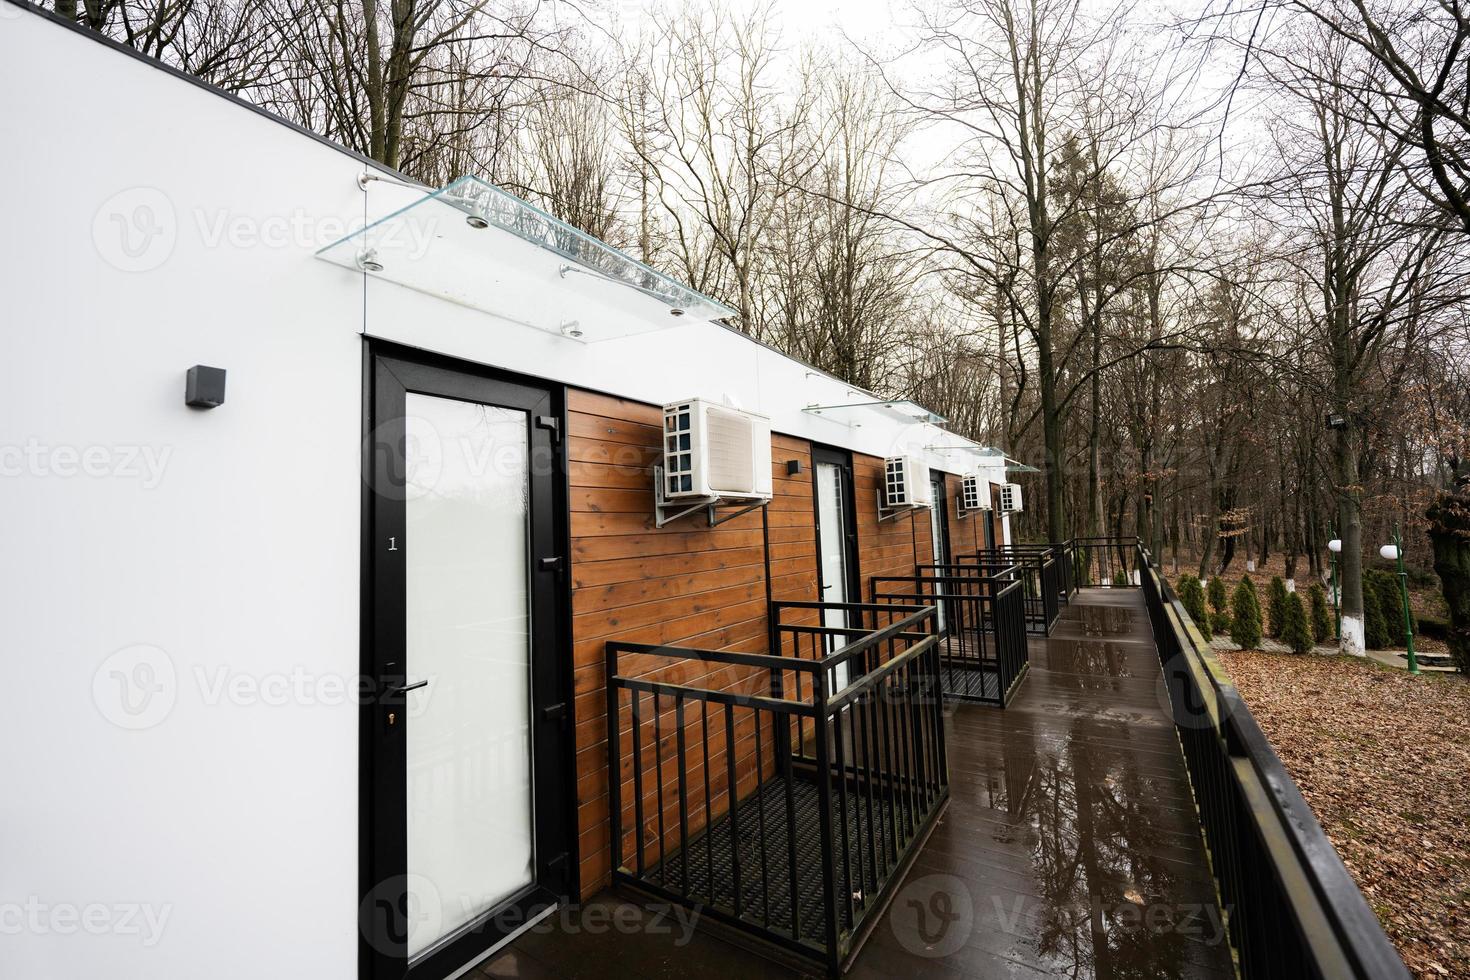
(1220, 622)
(1321, 615)
(1377, 633)
(1192, 597)
(1218, 595)
(1245, 616)
(1391, 605)
(1295, 632)
(1275, 606)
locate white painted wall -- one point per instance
(233, 818)
(179, 588)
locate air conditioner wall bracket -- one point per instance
(960, 513)
(666, 511)
(886, 513)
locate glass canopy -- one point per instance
(856, 414)
(440, 245)
(974, 453)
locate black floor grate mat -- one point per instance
(974, 684)
(711, 872)
(968, 669)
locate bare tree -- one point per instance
(846, 267)
(1367, 246)
(574, 160)
(718, 142)
(1411, 84)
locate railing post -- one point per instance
(782, 748)
(614, 763)
(824, 819)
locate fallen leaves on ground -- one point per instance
(1384, 760)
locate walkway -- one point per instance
(1070, 846)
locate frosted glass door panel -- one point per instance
(469, 815)
(941, 557)
(832, 551)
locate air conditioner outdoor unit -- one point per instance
(713, 450)
(906, 482)
(974, 493)
(1010, 498)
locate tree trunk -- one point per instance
(1095, 517)
(1449, 533)
(1051, 429)
(1350, 561)
(374, 83)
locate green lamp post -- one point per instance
(1395, 552)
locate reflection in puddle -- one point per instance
(1117, 888)
(1100, 658)
(1115, 882)
(1104, 621)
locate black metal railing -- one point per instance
(783, 794)
(1292, 908)
(1105, 562)
(1041, 577)
(983, 648)
(1066, 554)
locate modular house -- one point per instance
(331, 496)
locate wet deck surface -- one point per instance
(1070, 846)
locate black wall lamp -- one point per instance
(793, 467)
(1336, 421)
(204, 387)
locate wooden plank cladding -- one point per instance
(967, 536)
(682, 585)
(891, 547)
(690, 585)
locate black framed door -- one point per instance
(990, 515)
(939, 539)
(939, 520)
(466, 801)
(834, 502)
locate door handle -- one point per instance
(398, 692)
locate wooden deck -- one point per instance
(1070, 846)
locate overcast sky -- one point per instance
(883, 28)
